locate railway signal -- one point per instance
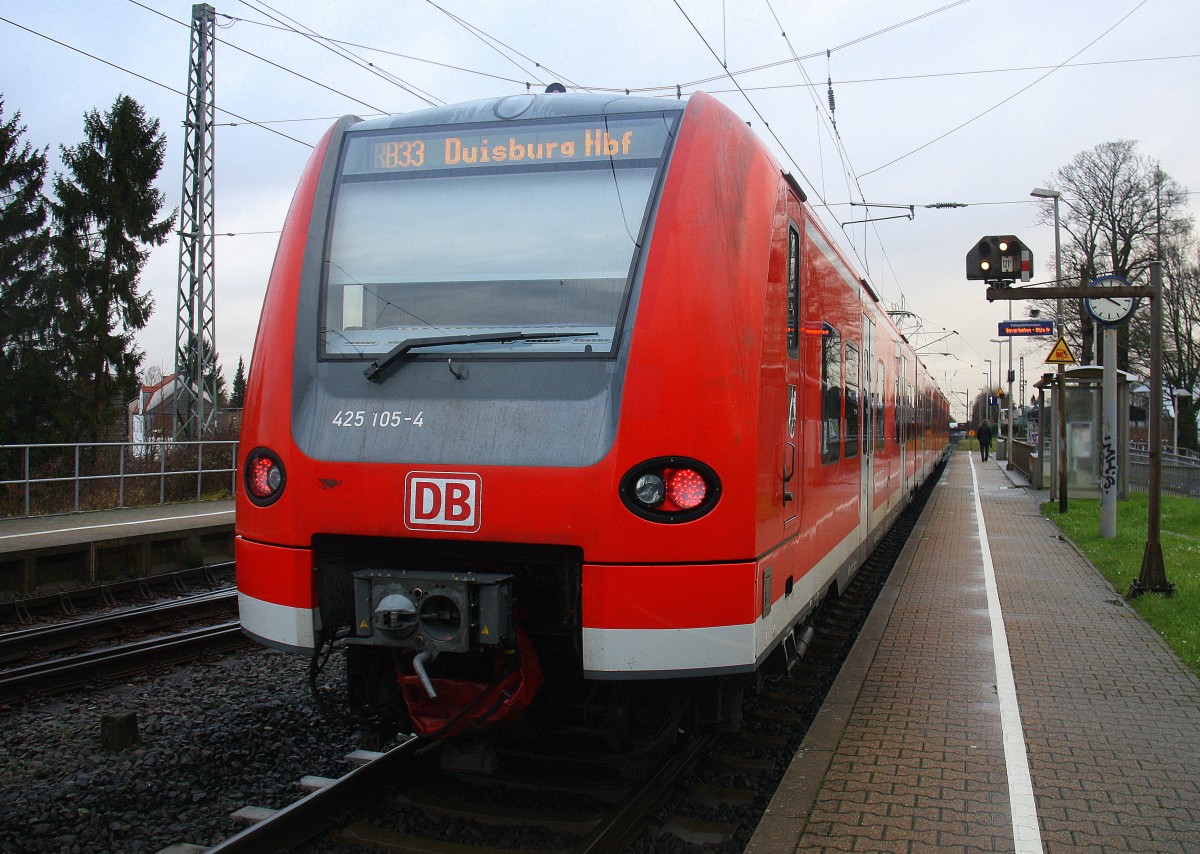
(999, 258)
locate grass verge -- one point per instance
(1175, 617)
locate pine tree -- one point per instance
(239, 385)
(216, 376)
(27, 366)
(104, 218)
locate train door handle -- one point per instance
(789, 471)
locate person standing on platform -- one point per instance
(984, 435)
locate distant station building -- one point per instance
(151, 415)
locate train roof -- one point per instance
(528, 106)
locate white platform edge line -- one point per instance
(114, 525)
(1027, 836)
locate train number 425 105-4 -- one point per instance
(385, 419)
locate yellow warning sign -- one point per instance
(364, 625)
(1061, 354)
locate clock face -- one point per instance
(1110, 309)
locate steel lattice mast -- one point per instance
(195, 338)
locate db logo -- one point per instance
(436, 501)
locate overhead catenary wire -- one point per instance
(933, 75)
(263, 59)
(780, 62)
(996, 106)
(753, 106)
(380, 50)
(146, 79)
(317, 38)
(492, 42)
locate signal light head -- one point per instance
(265, 477)
(670, 489)
(999, 258)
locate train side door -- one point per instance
(868, 408)
(902, 416)
(789, 465)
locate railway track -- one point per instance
(69, 603)
(371, 792)
(42, 673)
(40, 641)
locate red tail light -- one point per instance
(264, 477)
(686, 488)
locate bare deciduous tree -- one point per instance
(1116, 207)
(1119, 211)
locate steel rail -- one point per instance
(628, 820)
(315, 813)
(21, 610)
(78, 670)
(20, 643)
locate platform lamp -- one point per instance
(1060, 403)
(987, 393)
(999, 342)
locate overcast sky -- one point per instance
(974, 102)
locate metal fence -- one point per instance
(37, 480)
(1180, 472)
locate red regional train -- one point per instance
(564, 405)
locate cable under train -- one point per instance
(564, 407)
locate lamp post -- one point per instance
(987, 393)
(1012, 413)
(1060, 404)
(999, 342)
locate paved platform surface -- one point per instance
(1050, 718)
(34, 532)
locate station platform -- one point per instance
(63, 551)
(1001, 697)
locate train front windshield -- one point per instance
(476, 231)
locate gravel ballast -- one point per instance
(215, 736)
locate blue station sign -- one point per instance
(1026, 327)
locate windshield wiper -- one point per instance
(375, 372)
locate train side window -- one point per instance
(831, 394)
(852, 400)
(880, 428)
(793, 293)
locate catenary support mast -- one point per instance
(195, 360)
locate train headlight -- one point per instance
(650, 490)
(265, 476)
(670, 489)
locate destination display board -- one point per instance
(1026, 327)
(621, 138)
